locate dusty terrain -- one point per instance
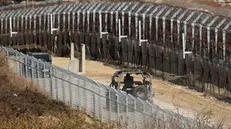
(169, 96)
(178, 98)
(213, 3)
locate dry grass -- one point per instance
(212, 3)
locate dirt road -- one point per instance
(168, 95)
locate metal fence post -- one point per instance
(30, 68)
(94, 105)
(70, 90)
(85, 92)
(51, 84)
(63, 87)
(117, 105)
(135, 112)
(100, 104)
(7, 52)
(37, 71)
(79, 96)
(56, 82)
(44, 83)
(32, 78)
(20, 64)
(109, 104)
(126, 110)
(25, 66)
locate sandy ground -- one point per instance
(169, 96)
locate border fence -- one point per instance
(137, 34)
(100, 101)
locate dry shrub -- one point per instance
(3, 69)
(12, 80)
(22, 84)
(204, 117)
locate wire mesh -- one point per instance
(78, 91)
(207, 36)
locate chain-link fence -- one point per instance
(100, 27)
(100, 101)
